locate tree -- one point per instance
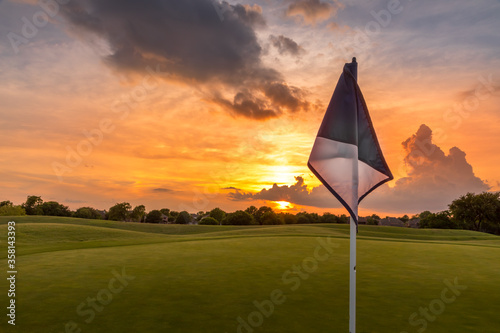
(475, 210)
(53, 208)
(373, 219)
(208, 221)
(260, 212)
(183, 218)
(252, 210)
(288, 218)
(87, 213)
(424, 214)
(200, 215)
(239, 217)
(10, 210)
(138, 213)
(303, 218)
(344, 219)
(314, 217)
(269, 218)
(154, 216)
(32, 205)
(404, 218)
(217, 214)
(439, 220)
(328, 218)
(6, 203)
(119, 212)
(172, 216)
(165, 211)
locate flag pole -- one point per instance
(352, 278)
(346, 138)
(352, 240)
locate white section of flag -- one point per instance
(335, 162)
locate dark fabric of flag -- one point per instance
(346, 156)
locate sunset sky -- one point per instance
(195, 104)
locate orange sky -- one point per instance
(176, 146)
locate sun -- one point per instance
(283, 205)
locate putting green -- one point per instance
(104, 276)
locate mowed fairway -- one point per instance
(203, 278)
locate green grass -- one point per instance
(202, 278)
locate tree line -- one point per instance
(479, 212)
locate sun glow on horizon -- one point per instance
(283, 205)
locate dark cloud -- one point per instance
(162, 190)
(246, 104)
(313, 11)
(427, 163)
(267, 101)
(286, 45)
(296, 193)
(186, 37)
(288, 97)
(199, 42)
(249, 14)
(434, 180)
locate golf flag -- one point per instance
(346, 156)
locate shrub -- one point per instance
(217, 214)
(303, 218)
(270, 218)
(288, 218)
(183, 218)
(239, 217)
(439, 220)
(87, 213)
(328, 218)
(154, 216)
(8, 210)
(208, 221)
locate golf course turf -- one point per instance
(77, 275)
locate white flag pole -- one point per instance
(352, 279)
(352, 240)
